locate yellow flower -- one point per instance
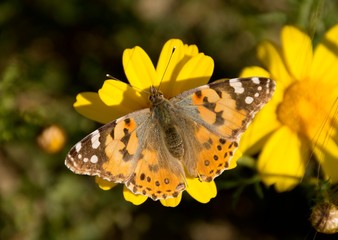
(177, 71)
(52, 139)
(301, 118)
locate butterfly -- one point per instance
(152, 150)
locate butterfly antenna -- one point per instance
(166, 68)
(108, 76)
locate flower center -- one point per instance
(306, 108)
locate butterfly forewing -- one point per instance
(110, 152)
(226, 107)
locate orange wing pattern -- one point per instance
(157, 179)
(215, 155)
(111, 152)
(221, 111)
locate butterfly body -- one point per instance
(163, 113)
(194, 134)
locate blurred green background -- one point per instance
(51, 50)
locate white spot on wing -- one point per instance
(85, 159)
(267, 86)
(256, 94)
(95, 139)
(248, 100)
(94, 159)
(78, 147)
(255, 80)
(259, 88)
(237, 85)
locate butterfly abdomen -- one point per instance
(163, 113)
(174, 142)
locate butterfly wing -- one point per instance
(158, 174)
(213, 156)
(130, 150)
(226, 107)
(221, 112)
(111, 152)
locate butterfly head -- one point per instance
(156, 97)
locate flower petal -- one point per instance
(272, 60)
(190, 50)
(104, 184)
(327, 155)
(169, 62)
(201, 191)
(325, 62)
(171, 202)
(282, 161)
(116, 94)
(297, 52)
(233, 163)
(136, 199)
(254, 71)
(91, 106)
(139, 69)
(183, 68)
(196, 72)
(264, 124)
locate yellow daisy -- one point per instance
(301, 118)
(176, 72)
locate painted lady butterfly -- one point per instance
(194, 133)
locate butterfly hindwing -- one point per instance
(215, 155)
(155, 177)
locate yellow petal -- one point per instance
(233, 163)
(122, 97)
(196, 72)
(139, 69)
(297, 51)
(172, 202)
(254, 71)
(52, 139)
(272, 60)
(91, 106)
(169, 60)
(190, 50)
(136, 199)
(264, 123)
(104, 184)
(170, 63)
(327, 155)
(325, 60)
(282, 161)
(201, 191)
